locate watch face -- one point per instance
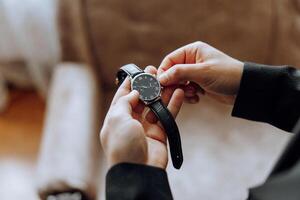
(147, 85)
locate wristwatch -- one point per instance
(149, 89)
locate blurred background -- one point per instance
(58, 60)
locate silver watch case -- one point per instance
(147, 102)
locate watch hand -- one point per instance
(142, 86)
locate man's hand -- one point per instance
(212, 72)
(128, 136)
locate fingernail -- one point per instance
(162, 78)
(147, 69)
(135, 92)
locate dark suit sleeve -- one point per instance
(128, 181)
(269, 94)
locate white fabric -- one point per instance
(70, 138)
(28, 33)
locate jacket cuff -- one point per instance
(260, 90)
(131, 181)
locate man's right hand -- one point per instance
(218, 74)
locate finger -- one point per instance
(139, 108)
(127, 103)
(195, 86)
(189, 94)
(123, 90)
(179, 73)
(176, 102)
(192, 100)
(151, 70)
(167, 94)
(189, 91)
(176, 57)
(151, 117)
(192, 89)
(187, 54)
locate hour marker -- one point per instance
(140, 78)
(151, 79)
(156, 88)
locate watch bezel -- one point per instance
(160, 88)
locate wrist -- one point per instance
(112, 163)
(237, 73)
(158, 164)
(128, 154)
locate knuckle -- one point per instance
(181, 72)
(103, 135)
(114, 118)
(135, 125)
(206, 68)
(199, 43)
(177, 70)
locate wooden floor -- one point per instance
(21, 125)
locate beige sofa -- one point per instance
(143, 32)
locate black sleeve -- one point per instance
(269, 94)
(128, 181)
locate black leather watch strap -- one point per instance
(128, 70)
(170, 127)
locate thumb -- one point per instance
(133, 98)
(130, 101)
(178, 73)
